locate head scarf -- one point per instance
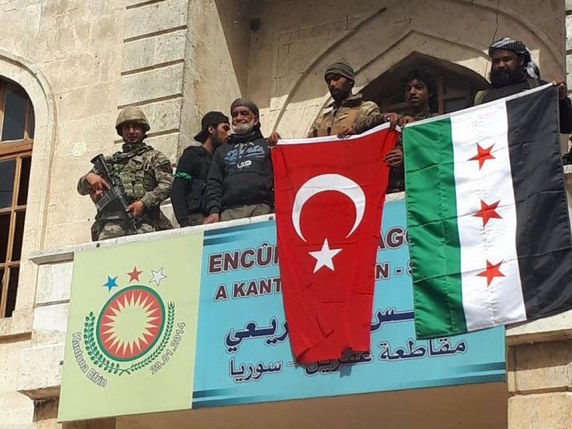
(518, 48)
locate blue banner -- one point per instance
(243, 353)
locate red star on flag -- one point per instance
(482, 155)
(491, 272)
(134, 275)
(488, 212)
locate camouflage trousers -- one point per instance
(245, 211)
(104, 230)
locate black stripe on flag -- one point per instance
(543, 240)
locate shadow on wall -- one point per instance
(387, 61)
(236, 25)
(279, 49)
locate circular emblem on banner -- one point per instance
(130, 323)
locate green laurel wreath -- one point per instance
(166, 338)
(98, 358)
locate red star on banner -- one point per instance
(482, 155)
(134, 275)
(488, 212)
(491, 272)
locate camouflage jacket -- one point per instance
(146, 175)
(352, 113)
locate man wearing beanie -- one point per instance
(189, 187)
(240, 182)
(348, 113)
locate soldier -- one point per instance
(146, 175)
(347, 114)
(188, 194)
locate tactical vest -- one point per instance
(131, 168)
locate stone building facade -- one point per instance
(79, 61)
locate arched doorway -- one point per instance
(16, 140)
(456, 85)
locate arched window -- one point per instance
(16, 138)
(456, 85)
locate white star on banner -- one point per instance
(157, 276)
(324, 257)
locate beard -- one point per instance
(339, 94)
(503, 77)
(217, 142)
(243, 129)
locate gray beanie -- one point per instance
(342, 68)
(246, 103)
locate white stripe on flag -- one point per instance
(502, 300)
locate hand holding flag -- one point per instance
(487, 215)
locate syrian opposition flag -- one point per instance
(329, 198)
(487, 215)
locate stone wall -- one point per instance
(539, 365)
(64, 54)
(568, 39)
(297, 39)
(216, 60)
(80, 61)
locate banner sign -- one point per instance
(140, 323)
(243, 351)
(132, 327)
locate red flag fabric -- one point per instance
(329, 196)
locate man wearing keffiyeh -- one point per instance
(514, 71)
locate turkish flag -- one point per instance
(329, 198)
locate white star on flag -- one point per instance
(157, 276)
(324, 257)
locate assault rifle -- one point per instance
(115, 193)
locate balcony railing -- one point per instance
(54, 280)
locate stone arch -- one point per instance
(386, 90)
(32, 81)
(392, 53)
(386, 36)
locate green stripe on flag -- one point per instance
(433, 231)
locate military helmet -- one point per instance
(133, 115)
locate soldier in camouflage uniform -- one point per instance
(347, 114)
(147, 177)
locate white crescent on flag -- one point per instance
(323, 183)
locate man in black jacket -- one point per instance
(420, 93)
(240, 182)
(513, 71)
(188, 194)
